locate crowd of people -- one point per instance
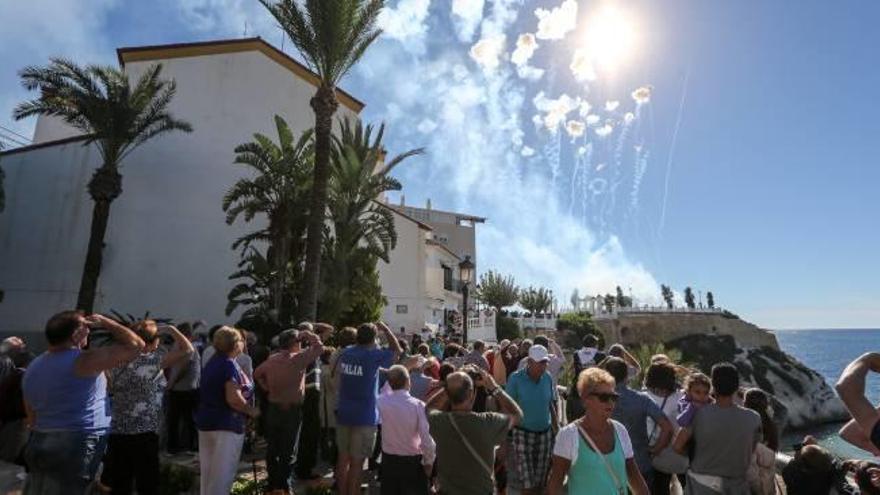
(428, 414)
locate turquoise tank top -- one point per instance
(589, 474)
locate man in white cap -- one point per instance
(532, 439)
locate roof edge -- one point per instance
(231, 45)
(44, 144)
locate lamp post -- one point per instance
(466, 272)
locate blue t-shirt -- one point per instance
(63, 401)
(214, 413)
(358, 370)
(533, 398)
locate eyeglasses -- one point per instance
(605, 397)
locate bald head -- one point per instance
(459, 388)
(398, 377)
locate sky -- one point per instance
(726, 146)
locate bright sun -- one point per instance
(609, 38)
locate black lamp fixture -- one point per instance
(466, 273)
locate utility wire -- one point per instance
(13, 132)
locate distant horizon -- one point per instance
(822, 329)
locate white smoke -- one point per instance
(526, 151)
(642, 95)
(466, 15)
(525, 48)
(487, 52)
(582, 66)
(406, 23)
(611, 106)
(556, 23)
(605, 130)
(575, 128)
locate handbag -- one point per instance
(668, 460)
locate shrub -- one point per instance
(575, 326)
(506, 328)
(175, 479)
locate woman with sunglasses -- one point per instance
(595, 451)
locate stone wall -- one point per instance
(643, 328)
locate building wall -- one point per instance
(403, 281)
(167, 246)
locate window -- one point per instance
(402, 309)
(447, 277)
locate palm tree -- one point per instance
(363, 229)
(689, 298)
(331, 35)
(668, 295)
(535, 300)
(278, 190)
(117, 116)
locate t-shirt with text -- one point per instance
(358, 371)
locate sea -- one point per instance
(828, 352)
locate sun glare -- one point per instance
(609, 37)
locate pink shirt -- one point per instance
(405, 426)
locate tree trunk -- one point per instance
(105, 186)
(324, 104)
(282, 256)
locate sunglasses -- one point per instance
(606, 397)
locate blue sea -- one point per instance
(828, 352)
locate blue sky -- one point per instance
(770, 200)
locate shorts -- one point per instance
(531, 456)
(355, 441)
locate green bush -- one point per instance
(243, 486)
(575, 326)
(506, 328)
(175, 479)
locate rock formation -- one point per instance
(801, 396)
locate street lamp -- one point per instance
(466, 272)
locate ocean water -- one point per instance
(828, 352)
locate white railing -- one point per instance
(656, 309)
(537, 322)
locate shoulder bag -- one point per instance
(470, 447)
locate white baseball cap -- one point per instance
(538, 353)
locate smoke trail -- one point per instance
(672, 152)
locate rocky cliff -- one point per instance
(801, 396)
(645, 327)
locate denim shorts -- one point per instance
(62, 462)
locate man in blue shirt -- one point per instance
(356, 413)
(532, 441)
(633, 410)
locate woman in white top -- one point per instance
(661, 387)
(595, 452)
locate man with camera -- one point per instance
(282, 376)
(466, 440)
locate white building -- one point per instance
(168, 248)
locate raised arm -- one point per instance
(393, 344)
(851, 388)
(507, 405)
(182, 349)
(127, 346)
(852, 433)
(438, 401)
(316, 347)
